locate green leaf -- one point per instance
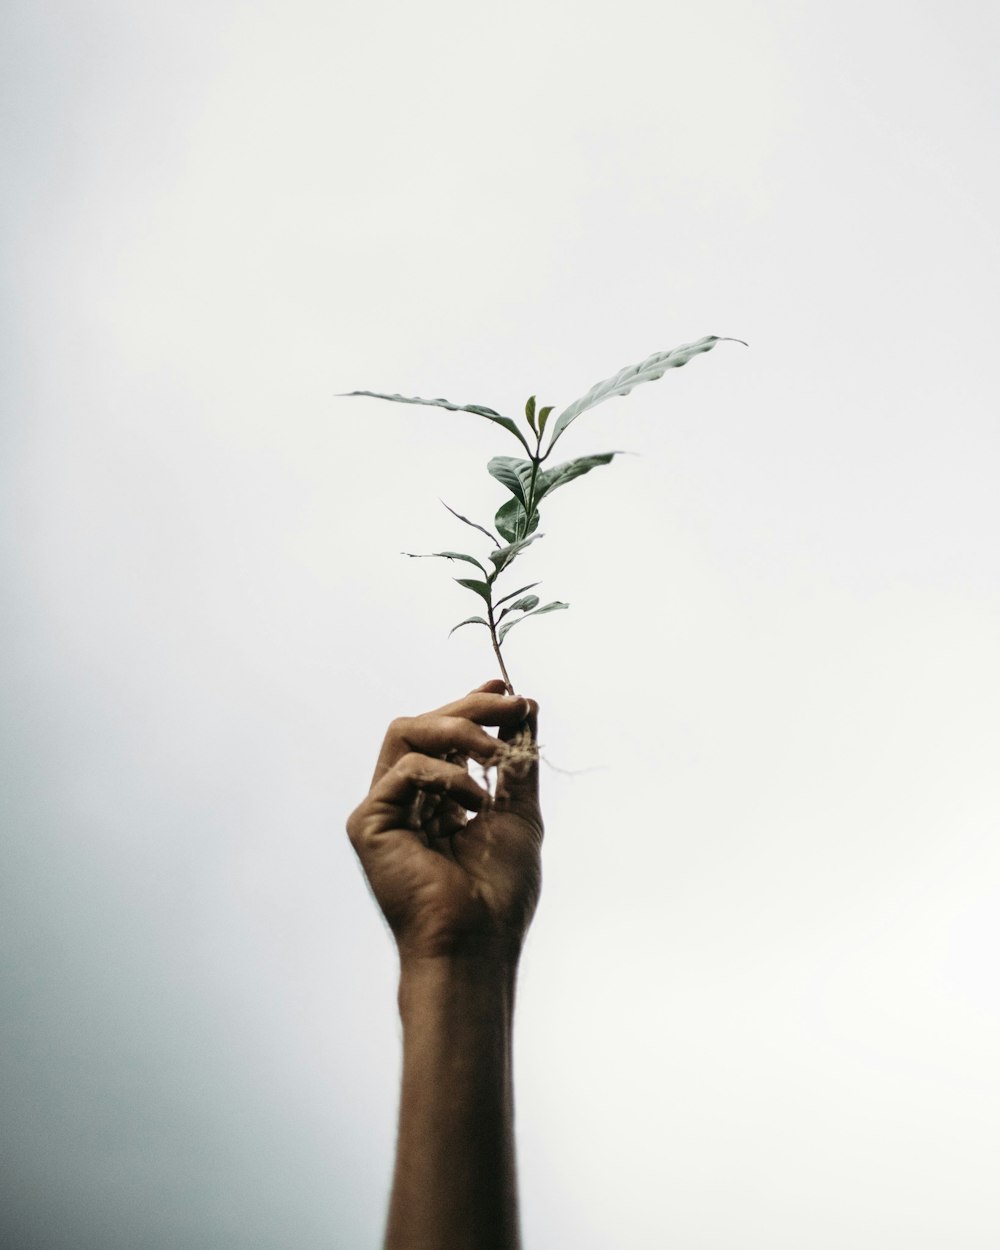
(481, 588)
(524, 604)
(509, 520)
(551, 479)
(513, 473)
(446, 555)
(469, 620)
(519, 591)
(504, 630)
(482, 528)
(479, 409)
(649, 370)
(529, 412)
(543, 417)
(505, 555)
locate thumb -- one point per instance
(493, 686)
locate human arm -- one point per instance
(458, 895)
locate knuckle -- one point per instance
(355, 823)
(414, 765)
(456, 727)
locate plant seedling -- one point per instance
(528, 483)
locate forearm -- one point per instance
(454, 1186)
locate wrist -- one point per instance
(467, 987)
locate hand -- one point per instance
(448, 885)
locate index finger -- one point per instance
(488, 704)
(436, 733)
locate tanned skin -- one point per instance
(458, 894)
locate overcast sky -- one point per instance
(759, 1007)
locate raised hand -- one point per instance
(450, 885)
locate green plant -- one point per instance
(528, 483)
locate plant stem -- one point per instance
(536, 460)
(531, 495)
(496, 649)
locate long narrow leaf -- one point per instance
(524, 604)
(514, 593)
(551, 479)
(446, 555)
(505, 629)
(482, 528)
(529, 412)
(479, 409)
(504, 556)
(469, 620)
(481, 588)
(649, 370)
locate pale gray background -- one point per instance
(759, 1008)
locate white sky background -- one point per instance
(759, 1007)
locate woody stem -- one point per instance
(496, 650)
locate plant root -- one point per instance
(513, 759)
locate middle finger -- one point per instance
(436, 735)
